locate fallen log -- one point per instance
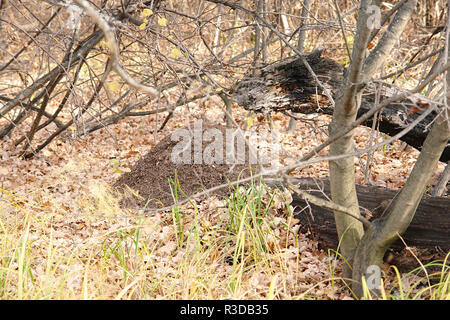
(287, 85)
(429, 231)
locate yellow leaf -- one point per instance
(162, 22)
(113, 86)
(249, 121)
(147, 12)
(350, 40)
(175, 52)
(142, 26)
(344, 61)
(72, 128)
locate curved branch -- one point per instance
(113, 47)
(387, 42)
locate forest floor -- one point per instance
(64, 235)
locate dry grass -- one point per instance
(211, 251)
(244, 247)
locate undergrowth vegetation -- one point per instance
(244, 246)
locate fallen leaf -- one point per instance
(147, 12)
(249, 121)
(162, 22)
(175, 53)
(142, 26)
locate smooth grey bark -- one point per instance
(389, 39)
(302, 32)
(400, 212)
(342, 172)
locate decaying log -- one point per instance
(288, 85)
(429, 231)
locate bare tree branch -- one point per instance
(389, 39)
(113, 47)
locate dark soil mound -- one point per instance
(150, 175)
